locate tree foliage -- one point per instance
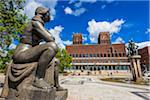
(12, 23)
(65, 59)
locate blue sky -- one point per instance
(124, 20)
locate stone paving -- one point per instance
(95, 89)
(91, 88)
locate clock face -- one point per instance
(104, 37)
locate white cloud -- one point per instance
(78, 4)
(95, 27)
(109, 1)
(77, 12)
(84, 38)
(143, 44)
(68, 10)
(103, 6)
(31, 5)
(86, 1)
(56, 33)
(119, 40)
(67, 42)
(148, 31)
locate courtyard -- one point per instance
(92, 88)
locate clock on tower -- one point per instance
(104, 38)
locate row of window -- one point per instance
(100, 67)
(100, 61)
(78, 42)
(100, 55)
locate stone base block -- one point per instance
(61, 95)
(2, 98)
(32, 93)
(139, 80)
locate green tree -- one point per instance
(65, 59)
(12, 23)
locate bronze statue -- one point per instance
(29, 51)
(132, 48)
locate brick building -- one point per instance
(103, 57)
(145, 57)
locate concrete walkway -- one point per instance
(91, 88)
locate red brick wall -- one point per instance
(97, 49)
(145, 55)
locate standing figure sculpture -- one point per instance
(30, 51)
(132, 48)
(135, 61)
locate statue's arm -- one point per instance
(42, 32)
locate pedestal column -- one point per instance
(136, 67)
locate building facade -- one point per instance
(145, 58)
(101, 58)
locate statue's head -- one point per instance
(44, 12)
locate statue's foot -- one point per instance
(59, 88)
(40, 83)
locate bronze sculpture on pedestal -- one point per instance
(29, 51)
(135, 61)
(132, 48)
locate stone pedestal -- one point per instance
(61, 95)
(136, 67)
(32, 93)
(23, 88)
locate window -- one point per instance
(94, 55)
(116, 68)
(108, 55)
(104, 55)
(120, 67)
(86, 55)
(109, 67)
(116, 55)
(83, 55)
(124, 54)
(80, 55)
(72, 55)
(113, 67)
(102, 67)
(112, 55)
(76, 55)
(119, 54)
(90, 55)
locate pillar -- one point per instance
(136, 67)
(139, 68)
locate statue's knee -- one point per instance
(57, 61)
(53, 45)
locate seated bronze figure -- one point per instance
(32, 56)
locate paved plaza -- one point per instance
(91, 88)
